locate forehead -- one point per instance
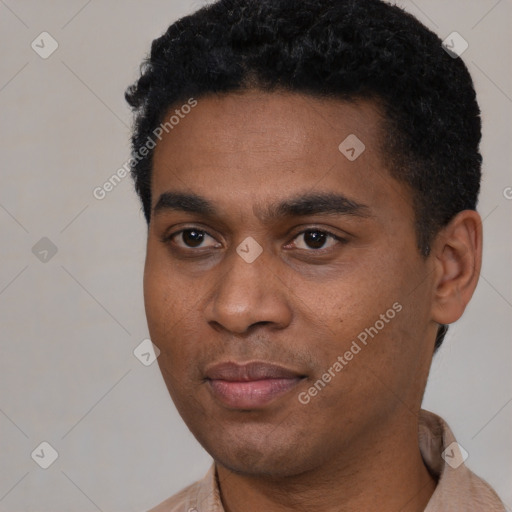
(282, 122)
(247, 147)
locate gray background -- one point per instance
(70, 324)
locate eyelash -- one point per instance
(168, 239)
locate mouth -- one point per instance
(251, 385)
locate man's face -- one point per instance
(335, 282)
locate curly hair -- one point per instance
(340, 49)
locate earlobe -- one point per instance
(457, 259)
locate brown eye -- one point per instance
(192, 237)
(315, 239)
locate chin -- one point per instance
(265, 465)
(257, 455)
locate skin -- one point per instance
(355, 444)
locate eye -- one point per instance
(191, 239)
(316, 239)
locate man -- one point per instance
(309, 172)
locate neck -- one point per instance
(384, 469)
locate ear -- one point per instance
(457, 256)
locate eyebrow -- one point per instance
(297, 206)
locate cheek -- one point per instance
(345, 303)
(160, 308)
(168, 314)
(165, 296)
(367, 313)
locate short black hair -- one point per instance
(341, 49)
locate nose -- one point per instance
(246, 294)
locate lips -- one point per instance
(250, 371)
(251, 385)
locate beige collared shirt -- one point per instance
(458, 489)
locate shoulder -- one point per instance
(179, 501)
(201, 495)
(458, 488)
